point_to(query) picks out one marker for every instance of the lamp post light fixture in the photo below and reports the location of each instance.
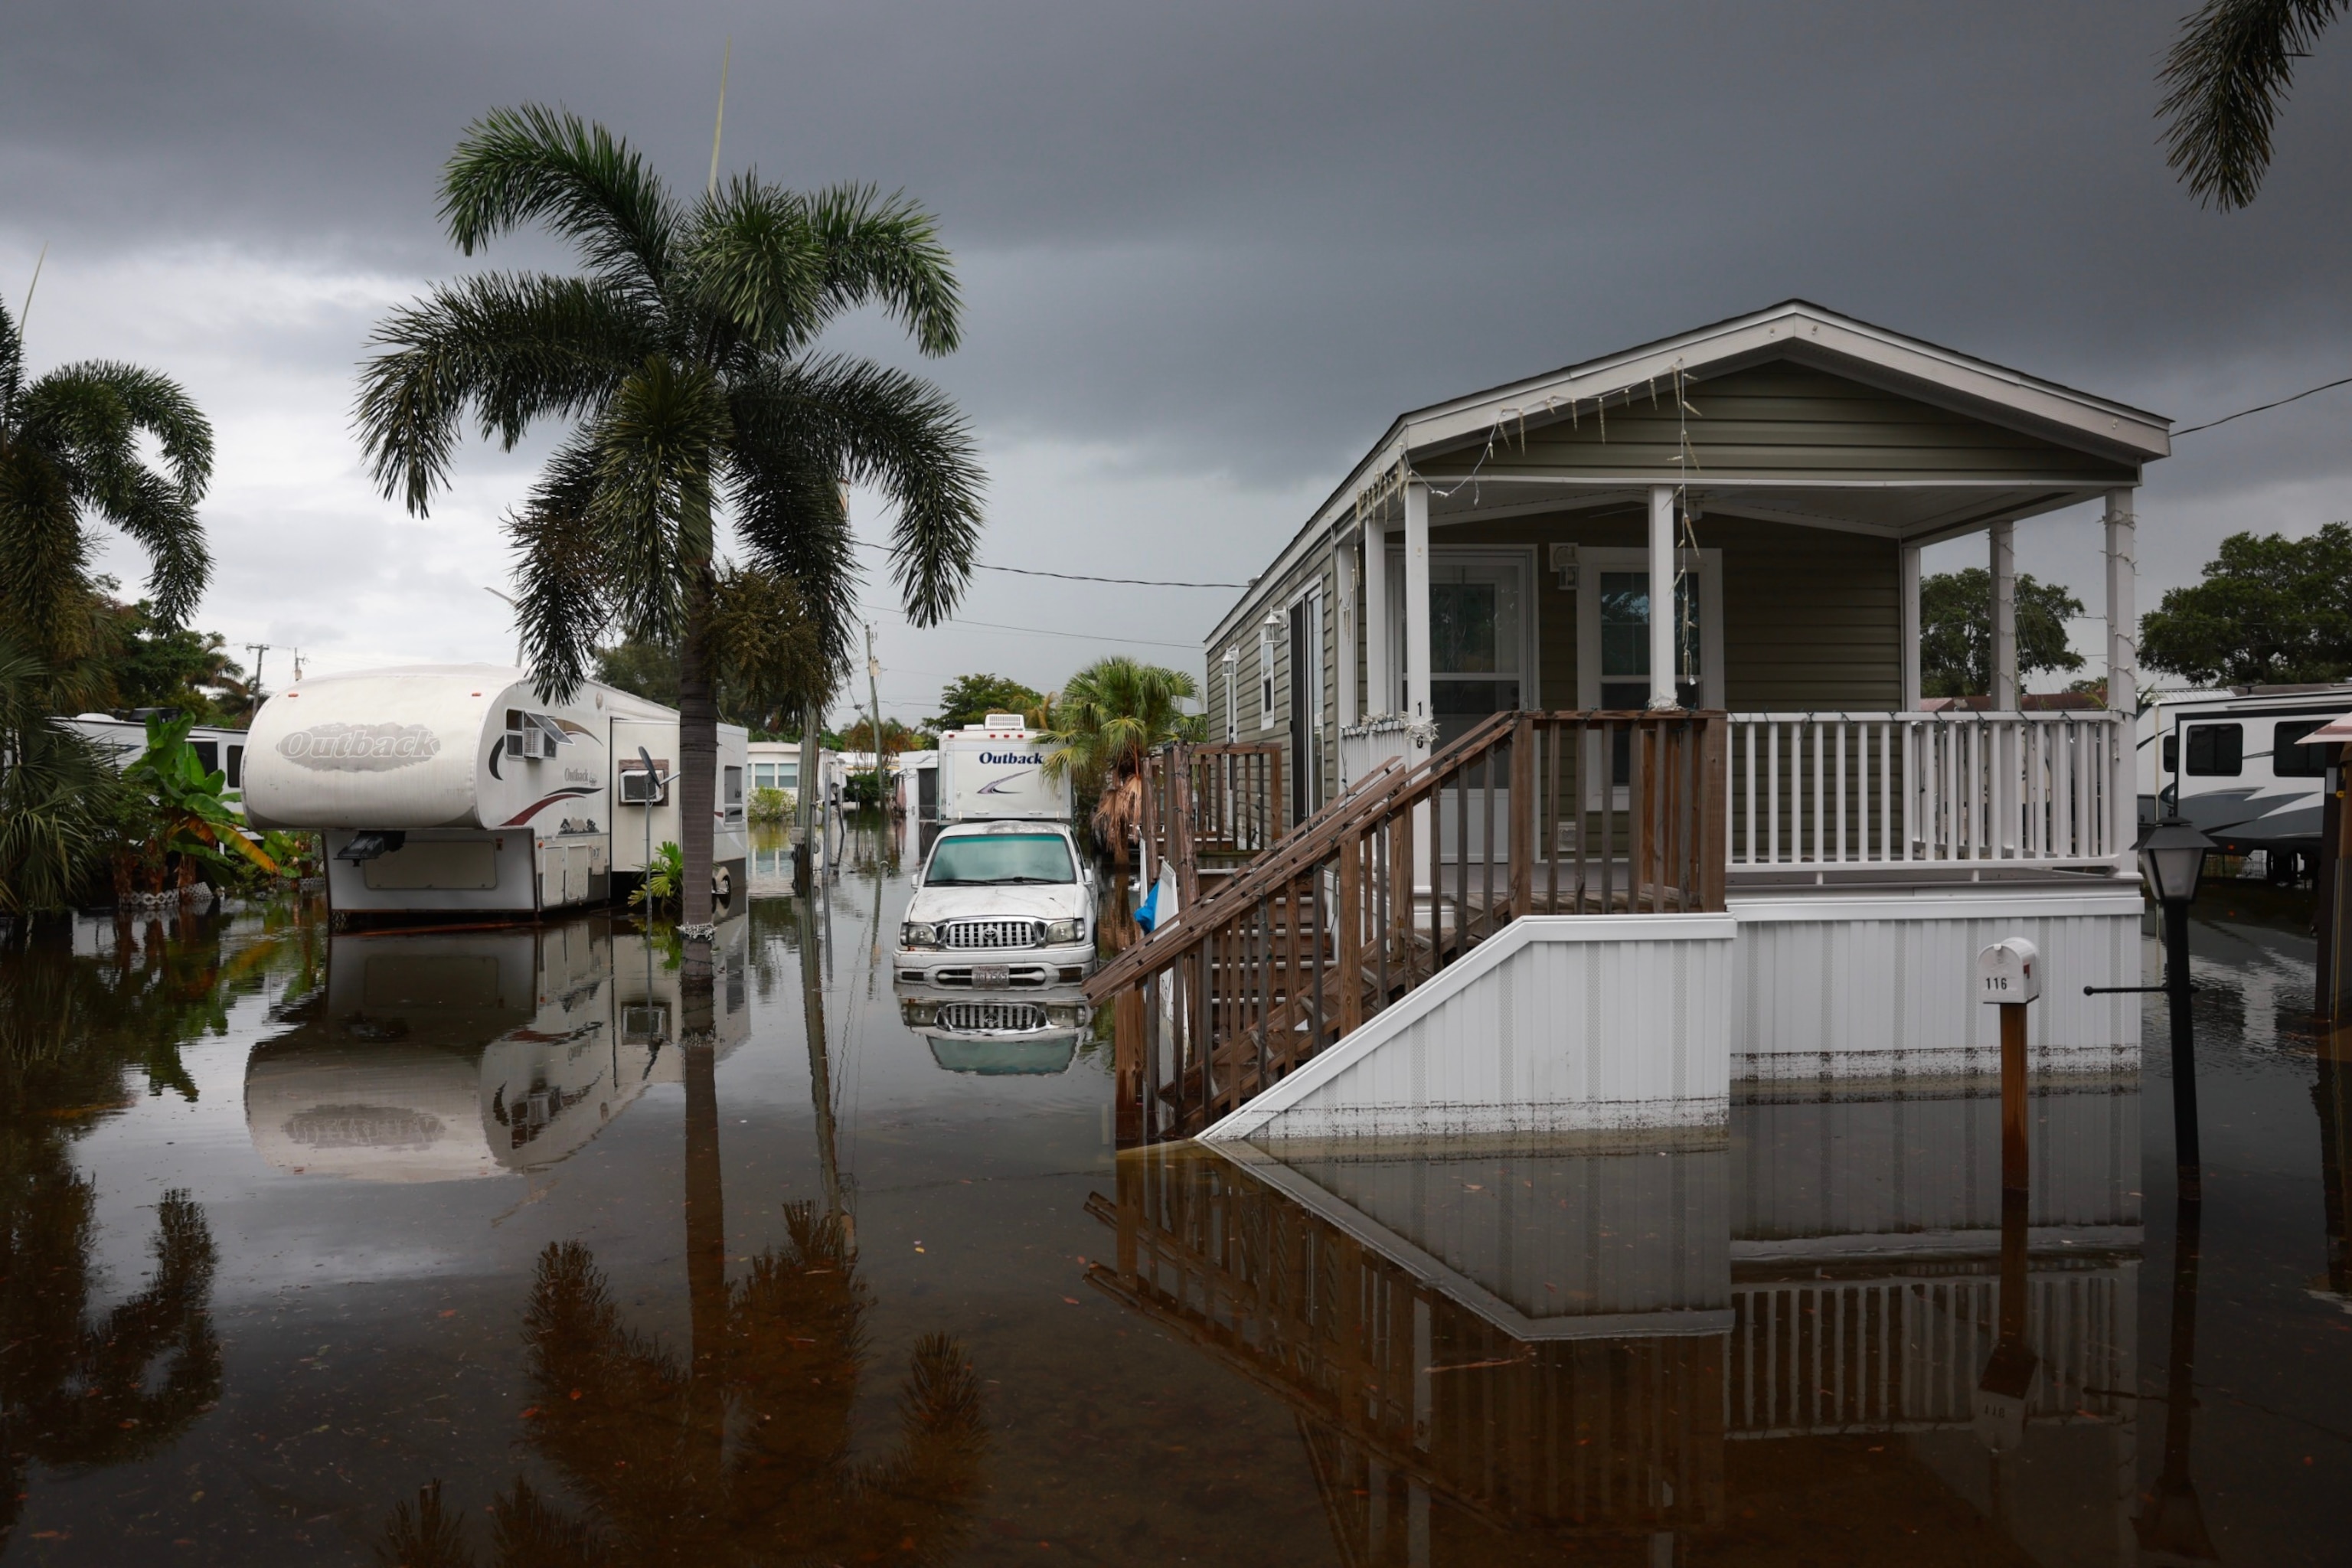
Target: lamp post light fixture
(2172, 859)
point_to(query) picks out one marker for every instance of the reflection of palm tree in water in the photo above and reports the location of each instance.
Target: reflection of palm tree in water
(76, 1391)
(742, 1453)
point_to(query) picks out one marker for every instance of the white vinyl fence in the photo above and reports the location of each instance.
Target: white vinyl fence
(1815, 790)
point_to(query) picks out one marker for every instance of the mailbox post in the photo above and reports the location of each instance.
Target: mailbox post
(2009, 975)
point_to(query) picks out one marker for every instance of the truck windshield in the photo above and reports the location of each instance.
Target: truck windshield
(999, 860)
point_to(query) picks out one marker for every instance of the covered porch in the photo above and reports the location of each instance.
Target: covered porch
(1783, 472)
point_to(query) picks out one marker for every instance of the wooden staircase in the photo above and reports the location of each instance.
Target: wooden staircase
(1326, 925)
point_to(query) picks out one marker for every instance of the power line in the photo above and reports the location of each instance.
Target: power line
(1077, 576)
(2265, 407)
(960, 622)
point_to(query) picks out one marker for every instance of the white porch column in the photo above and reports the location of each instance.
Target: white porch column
(1379, 673)
(2003, 539)
(1343, 592)
(1908, 595)
(1416, 611)
(1662, 597)
(2123, 666)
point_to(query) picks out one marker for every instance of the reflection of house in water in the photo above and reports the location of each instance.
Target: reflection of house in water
(433, 1056)
(1667, 1349)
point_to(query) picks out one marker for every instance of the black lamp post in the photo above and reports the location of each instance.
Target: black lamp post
(2172, 859)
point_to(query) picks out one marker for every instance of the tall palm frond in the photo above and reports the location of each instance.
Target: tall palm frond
(71, 455)
(2227, 74)
(681, 360)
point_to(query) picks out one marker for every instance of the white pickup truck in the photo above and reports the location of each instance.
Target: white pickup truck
(1000, 904)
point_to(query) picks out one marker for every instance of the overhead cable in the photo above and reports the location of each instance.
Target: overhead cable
(2264, 407)
(1079, 577)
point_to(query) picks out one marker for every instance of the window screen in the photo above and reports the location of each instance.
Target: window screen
(2290, 758)
(2216, 750)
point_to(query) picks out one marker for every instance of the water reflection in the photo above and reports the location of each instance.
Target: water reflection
(998, 1034)
(82, 1386)
(1495, 1356)
(437, 1056)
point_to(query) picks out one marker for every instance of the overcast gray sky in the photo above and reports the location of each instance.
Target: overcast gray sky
(1209, 249)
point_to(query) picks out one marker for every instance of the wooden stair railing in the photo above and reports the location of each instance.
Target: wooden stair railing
(1208, 806)
(1527, 812)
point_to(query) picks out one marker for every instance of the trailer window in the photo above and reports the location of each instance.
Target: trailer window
(236, 767)
(208, 754)
(2172, 752)
(2216, 750)
(2290, 758)
(998, 859)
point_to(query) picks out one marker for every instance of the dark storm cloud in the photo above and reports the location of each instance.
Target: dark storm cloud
(1229, 238)
(1416, 194)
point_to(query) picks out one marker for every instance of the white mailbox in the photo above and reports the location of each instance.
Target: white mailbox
(2008, 972)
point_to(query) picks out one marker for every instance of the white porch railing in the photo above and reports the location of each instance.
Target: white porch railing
(1964, 789)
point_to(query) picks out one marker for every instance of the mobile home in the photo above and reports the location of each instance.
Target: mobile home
(448, 789)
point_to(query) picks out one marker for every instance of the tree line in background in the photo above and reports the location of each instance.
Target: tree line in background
(2267, 610)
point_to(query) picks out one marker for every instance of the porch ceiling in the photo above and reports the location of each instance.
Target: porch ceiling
(1913, 513)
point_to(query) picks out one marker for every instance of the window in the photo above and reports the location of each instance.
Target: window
(2172, 752)
(236, 767)
(207, 755)
(999, 860)
(1612, 628)
(2216, 750)
(731, 788)
(2290, 758)
(1233, 667)
(763, 776)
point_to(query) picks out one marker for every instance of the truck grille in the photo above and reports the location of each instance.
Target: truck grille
(992, 933)
(992, 1017)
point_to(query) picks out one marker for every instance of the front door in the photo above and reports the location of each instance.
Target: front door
(1306, 705)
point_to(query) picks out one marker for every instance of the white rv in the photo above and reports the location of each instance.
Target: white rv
(218, 750)
(995, 771)
(2235, 765)
(448, 789)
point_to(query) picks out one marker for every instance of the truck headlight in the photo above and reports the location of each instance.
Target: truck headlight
(918, 934)
(1065, 930)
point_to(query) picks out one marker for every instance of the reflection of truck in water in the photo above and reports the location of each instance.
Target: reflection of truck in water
(997, 1036)
(439, 1057)
(2235, 765)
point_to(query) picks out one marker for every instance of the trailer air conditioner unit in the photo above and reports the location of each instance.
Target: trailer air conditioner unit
(639, 787)
(533, 736)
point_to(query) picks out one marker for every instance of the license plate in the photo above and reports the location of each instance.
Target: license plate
(997, 977)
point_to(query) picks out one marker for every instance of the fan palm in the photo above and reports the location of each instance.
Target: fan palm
(683, 359)
(1106, 722)
(70, 457)
(2227, 74)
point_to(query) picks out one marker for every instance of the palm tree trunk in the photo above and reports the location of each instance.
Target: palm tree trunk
(698, 754)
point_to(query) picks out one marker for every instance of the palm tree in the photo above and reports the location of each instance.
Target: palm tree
(1106, 722)
(2224, 80)
(70, 457)
(683, 359)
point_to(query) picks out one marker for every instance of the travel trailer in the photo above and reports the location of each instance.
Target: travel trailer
(221, 751)
(450, 789)
(2235, 765)
(995, 771)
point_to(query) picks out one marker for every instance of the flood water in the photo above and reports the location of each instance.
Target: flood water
(442, 1248)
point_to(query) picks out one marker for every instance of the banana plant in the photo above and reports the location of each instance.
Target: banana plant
(189, 804)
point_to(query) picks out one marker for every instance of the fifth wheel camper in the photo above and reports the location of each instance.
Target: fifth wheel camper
(995, 771)
(455, 789)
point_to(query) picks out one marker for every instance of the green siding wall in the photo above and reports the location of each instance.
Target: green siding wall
(1782, 418)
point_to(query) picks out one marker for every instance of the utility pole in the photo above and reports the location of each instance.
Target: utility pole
(258, 649)
(298, 666)
(873, 696)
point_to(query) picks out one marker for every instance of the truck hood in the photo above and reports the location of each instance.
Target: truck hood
(1063, 901)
